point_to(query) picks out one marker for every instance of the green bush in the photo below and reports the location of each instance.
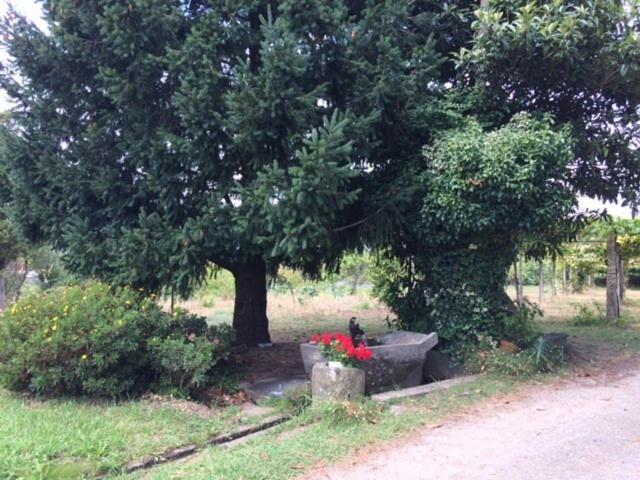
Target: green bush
(92, 340)
(587, 316)
(182, 365)
(541, 357)
(520, 327)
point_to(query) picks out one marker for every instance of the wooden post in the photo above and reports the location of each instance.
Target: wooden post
(613, 285)
(519, 281)
(622, 268)
(554, 287)
(540, 282)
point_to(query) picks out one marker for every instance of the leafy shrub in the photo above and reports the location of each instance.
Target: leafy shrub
(91, 340)
(182, 365)
(520, 327)
(545, 356)
(587, 316)
(542, 357)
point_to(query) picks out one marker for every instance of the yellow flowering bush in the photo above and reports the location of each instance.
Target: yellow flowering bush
(90, 339)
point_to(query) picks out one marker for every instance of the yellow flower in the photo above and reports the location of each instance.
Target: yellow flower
(14, 309)
(54, 328)
(84, 356)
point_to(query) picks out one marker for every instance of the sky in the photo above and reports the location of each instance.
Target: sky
(33, 11)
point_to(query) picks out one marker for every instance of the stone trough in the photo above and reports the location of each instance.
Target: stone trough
(397, 362)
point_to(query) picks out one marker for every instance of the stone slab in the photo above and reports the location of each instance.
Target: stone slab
(422, 390)
(274, 387)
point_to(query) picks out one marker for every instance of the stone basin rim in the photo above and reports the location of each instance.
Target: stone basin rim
(426, 337)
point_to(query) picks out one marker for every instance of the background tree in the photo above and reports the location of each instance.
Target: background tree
(10, 245)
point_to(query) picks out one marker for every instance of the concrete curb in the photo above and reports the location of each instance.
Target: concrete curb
(422, 390)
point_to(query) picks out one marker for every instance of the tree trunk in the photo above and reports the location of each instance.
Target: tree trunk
(519, 282)
(613, 289)
(554, 287)
(565, 278)
(250, 309)
(540, 282)
(621, 279)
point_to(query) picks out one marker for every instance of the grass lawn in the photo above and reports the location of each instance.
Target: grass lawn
(65, 439)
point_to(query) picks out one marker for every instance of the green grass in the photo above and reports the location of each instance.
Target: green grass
(626, 336)
(279, 455)
(65, 439)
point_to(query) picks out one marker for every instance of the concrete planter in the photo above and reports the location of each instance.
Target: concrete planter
(333, 383)
(397, 362)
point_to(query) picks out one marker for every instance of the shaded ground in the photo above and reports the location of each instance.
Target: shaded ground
(584, 428)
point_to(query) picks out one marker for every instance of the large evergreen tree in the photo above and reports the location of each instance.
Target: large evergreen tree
(154, 137)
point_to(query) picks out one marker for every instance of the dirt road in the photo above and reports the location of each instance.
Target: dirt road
(587, 429)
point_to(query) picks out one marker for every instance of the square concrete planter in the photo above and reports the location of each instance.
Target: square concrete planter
(397, 362)
(332, 383)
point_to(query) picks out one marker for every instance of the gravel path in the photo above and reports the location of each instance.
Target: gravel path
(587, 429)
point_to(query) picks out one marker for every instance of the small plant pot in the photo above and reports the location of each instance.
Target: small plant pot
(329, 383)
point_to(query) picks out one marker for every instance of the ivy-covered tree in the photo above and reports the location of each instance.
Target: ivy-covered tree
(153, 137)
(481, 194)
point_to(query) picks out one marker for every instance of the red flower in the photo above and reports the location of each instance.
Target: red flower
(338, 346)
(363, 353)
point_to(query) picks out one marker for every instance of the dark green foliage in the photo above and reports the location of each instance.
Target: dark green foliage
(10, 245)
(519, 327)
(89, 340)
(582, 66)
(182, 366)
